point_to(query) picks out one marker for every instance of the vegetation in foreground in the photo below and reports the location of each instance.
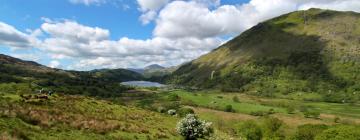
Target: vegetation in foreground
(236, 115)
(78, 117)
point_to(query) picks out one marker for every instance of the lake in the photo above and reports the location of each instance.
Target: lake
(142, 84)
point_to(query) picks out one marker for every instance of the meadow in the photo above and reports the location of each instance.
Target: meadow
(229, 111)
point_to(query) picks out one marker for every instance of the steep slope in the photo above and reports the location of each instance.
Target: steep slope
(304, 51)
(103, 83)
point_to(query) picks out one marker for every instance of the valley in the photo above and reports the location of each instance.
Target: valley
(293, 77)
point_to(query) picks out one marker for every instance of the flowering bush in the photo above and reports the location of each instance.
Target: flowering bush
(192, 128)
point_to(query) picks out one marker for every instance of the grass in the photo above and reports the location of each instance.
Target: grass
(78, 117)
(219, 101)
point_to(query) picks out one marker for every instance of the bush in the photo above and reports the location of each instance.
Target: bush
(340, 133)
(272, 128)
(173, 97)
(336, 120)
(219, 96)
(184, 111)
(290, 109)
(192, 128)
(228, 108)
(259, 113)
(312, 114)
(236, 99)
(171, 105)
(309, 131)
(251, 131)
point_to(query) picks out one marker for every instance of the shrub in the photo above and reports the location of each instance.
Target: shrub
(312, 114)
(251, 131)
(229, 108)
(236, 99)
(184, 111)
(290, 109)
(340, 133)
(192, 128)
(173, 97)
(271, 111)
(336, 120)
(171, 105)
(309, 131)
(259, 113)
(272, 128)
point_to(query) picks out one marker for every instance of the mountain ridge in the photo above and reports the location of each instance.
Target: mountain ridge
(304, 51)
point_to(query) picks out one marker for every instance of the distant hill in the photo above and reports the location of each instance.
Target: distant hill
(154, 67)
(103, 82)
(154, 71)
(304, 51)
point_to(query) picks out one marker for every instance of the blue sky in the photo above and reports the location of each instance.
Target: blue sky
(90, 34)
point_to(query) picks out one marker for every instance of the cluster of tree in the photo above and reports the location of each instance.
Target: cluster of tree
(104, 83)
(273, 128)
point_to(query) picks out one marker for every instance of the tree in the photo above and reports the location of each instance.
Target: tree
(185, 111)
(309, 131)
(251, 131)
(192, 128)
(229, 108)
(340, 132)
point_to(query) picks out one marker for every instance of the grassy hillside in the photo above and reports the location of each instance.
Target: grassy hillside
(65, 117)
(104, 83)
(313, 51)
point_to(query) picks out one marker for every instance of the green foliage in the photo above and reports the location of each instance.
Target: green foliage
(100, 83)
(229, 108)
(312, 114)
(192, 128)
(284, 57)
(236, 99)
(340, 133)
(173, 97)
(251, 131)
(272, 127)
(309, 131)
(184, 111)
(290, 109)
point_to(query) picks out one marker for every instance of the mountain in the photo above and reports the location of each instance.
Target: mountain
(154, 72)
(154, 67)
(304, 51)
(103, 82)
(147, 69)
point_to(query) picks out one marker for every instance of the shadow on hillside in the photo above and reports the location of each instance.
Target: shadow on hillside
(273, 47)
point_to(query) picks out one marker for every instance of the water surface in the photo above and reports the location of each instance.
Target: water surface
(142, 84)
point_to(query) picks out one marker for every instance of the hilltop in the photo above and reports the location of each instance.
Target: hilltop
(104, 83)
(300, 52)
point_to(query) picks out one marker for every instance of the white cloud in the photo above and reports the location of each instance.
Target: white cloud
(28, 57)
(147, 17)
(54, 64)
(151, 5)
(194, 18)
(94, 49)
(184, 30)
(73, 31)
(88, 2)
(9, 36)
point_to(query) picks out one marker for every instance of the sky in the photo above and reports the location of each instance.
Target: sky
(94, 34)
